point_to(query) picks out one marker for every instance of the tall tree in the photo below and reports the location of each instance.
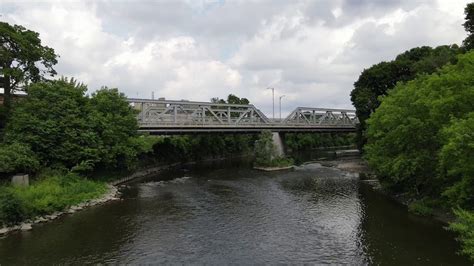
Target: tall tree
(379, 79)
(469, 26)
(23, 59)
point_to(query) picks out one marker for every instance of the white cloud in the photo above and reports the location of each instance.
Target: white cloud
(311, 51)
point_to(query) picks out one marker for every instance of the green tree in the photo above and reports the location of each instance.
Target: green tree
(379, 79)
(265, 150)
(404, 133)
(232, 99)
(457, 162)
(469, 26)
(66, 128)
(53, 121)
(21, 55)
(115, 125)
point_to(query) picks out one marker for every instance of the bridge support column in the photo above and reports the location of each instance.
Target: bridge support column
(276, 138)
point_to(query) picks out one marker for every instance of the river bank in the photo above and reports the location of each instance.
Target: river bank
(351, 164)
(26, 225)
(112, 194)
(217, 212)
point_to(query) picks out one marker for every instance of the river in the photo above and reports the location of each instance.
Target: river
(228, 213)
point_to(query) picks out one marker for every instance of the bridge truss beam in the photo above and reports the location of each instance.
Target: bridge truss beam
(176, 117)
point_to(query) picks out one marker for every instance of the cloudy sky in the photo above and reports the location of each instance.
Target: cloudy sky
(312, 51)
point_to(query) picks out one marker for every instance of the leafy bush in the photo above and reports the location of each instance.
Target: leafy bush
(266, 152)
(198, 147)
(464, 226)
(17, 157)
(308, 141)
(420, 208)
(280, 162)
(11, 208)
(456, 162)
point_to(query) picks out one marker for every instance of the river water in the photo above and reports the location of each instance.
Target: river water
(228, 213)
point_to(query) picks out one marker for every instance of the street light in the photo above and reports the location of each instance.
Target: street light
(280, 105)
(273, 100)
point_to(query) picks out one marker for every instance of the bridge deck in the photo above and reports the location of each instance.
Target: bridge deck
(183, 117)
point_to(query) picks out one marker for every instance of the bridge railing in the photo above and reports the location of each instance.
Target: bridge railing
(166, 113)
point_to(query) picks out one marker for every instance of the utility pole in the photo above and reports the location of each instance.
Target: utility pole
(273, 100)
(280, 106)
(152, 95)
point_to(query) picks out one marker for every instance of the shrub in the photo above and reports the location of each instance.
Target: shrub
(464, 226)
(265, 150)
(420, 208)
(17, 157)
(456, 162)
(11, 208)
(56, 192)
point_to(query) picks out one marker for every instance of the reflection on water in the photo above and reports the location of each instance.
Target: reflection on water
(232, 214)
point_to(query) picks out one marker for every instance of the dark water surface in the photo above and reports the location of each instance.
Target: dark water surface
(230, 213)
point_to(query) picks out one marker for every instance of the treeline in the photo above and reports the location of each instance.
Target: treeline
(59, 126)
(184, 148)
(60, 135)
(417, 128)
(310, 141)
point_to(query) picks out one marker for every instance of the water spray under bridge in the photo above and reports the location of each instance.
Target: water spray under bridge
(186, 117)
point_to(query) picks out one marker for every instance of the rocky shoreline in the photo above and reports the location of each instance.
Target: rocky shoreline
(111, 195)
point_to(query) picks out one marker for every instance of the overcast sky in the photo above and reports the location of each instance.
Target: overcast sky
(310, 51)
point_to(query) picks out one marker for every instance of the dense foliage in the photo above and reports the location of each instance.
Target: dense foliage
(309, 141)
(421, 142)
(52, 192)
(16, 157)
(380, 78)
(65, 128)
(405, 133)
(465, 228)
(457, 161)
(266, 154)
(198, 147)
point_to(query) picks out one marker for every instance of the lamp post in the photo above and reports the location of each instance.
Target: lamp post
(280, 106)
(273, 100)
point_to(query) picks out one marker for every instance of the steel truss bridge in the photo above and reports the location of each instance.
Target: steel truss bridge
(185, 117)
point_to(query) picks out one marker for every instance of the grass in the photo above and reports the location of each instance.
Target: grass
(53, 192)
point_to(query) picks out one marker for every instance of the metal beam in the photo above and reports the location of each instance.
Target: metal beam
(165, 116)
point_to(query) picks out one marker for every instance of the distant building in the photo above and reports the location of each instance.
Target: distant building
(14, 97)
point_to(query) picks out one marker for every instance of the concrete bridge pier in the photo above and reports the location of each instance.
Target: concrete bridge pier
(276, 138)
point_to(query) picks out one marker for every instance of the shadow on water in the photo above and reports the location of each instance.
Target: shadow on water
(392, 236)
